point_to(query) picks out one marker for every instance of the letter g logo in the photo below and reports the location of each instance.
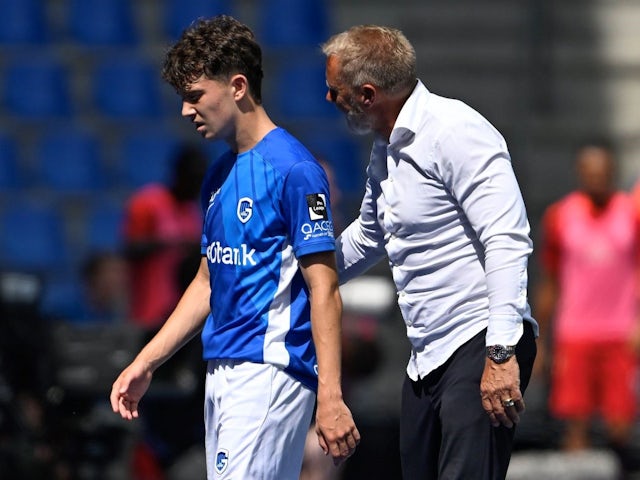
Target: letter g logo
(245, 209)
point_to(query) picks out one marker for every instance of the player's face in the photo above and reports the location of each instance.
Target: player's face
(210, 106)
(344, 99)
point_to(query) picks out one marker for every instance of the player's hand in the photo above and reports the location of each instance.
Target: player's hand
(336, 430)
(500, 392)
(128, 389)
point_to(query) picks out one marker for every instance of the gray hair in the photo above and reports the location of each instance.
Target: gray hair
(374, 54)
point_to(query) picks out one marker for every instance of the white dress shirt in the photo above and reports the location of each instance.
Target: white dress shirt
(442, 202)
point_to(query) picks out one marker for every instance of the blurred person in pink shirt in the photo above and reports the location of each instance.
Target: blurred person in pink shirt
(162, 231)
(587, 303)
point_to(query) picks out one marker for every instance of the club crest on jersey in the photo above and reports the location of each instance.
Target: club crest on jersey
(222, 461)
(245, 209)
(317, 204)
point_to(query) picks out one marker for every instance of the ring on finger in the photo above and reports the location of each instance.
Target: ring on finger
(508, 402)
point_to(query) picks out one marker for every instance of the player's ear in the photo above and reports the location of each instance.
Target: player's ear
(239, 86)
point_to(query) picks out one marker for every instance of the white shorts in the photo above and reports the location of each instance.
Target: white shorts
(256, 419)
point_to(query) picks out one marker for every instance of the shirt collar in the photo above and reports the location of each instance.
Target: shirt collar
(403, 131)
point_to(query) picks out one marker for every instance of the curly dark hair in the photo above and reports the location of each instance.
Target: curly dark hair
(216, 47)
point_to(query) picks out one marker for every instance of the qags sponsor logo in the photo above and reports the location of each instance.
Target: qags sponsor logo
(222, 461)
(317, 204)
(317, 229)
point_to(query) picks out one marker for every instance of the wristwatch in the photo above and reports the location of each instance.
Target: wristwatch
(500, 353)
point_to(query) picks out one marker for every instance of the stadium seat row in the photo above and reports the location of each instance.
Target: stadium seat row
(282, 23)
(127, 86)
(73, 160)
(121, 86)
(37, 236)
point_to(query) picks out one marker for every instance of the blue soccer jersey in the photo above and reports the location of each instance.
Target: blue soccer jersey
(265, 208)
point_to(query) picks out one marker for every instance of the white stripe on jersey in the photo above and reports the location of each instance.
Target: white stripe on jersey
(274, 349)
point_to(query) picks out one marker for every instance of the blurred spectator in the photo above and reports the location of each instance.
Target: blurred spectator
(105, 284)
(162, 231)
(587, 304)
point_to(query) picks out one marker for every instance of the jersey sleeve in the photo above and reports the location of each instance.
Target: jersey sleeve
(307, 210)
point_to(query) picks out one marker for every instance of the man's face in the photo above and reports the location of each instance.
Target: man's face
(345, 100)
(210, 106)
(596, 173)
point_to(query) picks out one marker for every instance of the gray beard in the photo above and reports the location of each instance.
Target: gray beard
(358, 123)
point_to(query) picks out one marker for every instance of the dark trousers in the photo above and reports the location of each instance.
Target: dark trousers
(445, 434)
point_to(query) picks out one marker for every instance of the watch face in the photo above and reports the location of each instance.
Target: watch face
(500, 353)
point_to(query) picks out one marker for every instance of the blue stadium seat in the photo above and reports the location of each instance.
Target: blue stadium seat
(146, 157)
(23, 22)
(33, 237)
(68, 160)
(179, 14)
(10, 175)
(292, 23)
(102, 22)
(127, 87)
(103, 225)
(36, 86)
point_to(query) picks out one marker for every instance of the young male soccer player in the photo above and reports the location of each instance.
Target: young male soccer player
(266, 290)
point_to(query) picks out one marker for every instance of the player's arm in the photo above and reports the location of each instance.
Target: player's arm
(182, 325)
(337, 432)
